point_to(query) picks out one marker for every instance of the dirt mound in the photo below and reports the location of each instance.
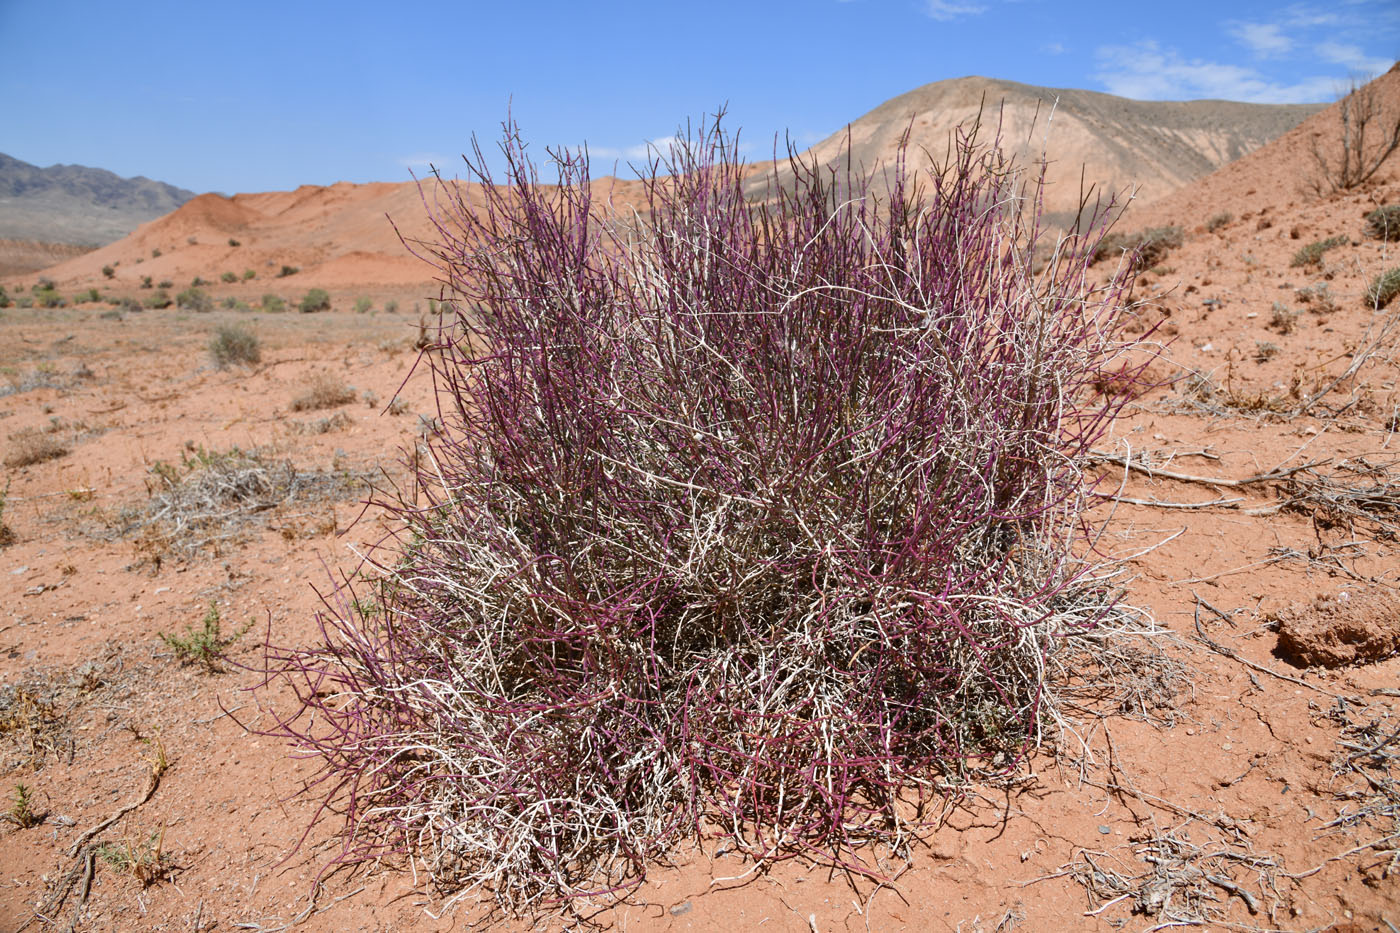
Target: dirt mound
(1351, 627)
(19, 257)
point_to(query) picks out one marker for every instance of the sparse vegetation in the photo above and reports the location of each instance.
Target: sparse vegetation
(46, 296)
(33, 446)
(362, 305)
(1282, 318)
(156, 253)
(391, 307)
(1311, 254)
(146, 282)
(21, 812)
(1383, 223)
(194, 299)
(272, 304)
(1368, 131)
(318, 299)
(5, 301)
(1146, 248)
(234, 243)
(1383, 288)
(145, 860)
(228, 278)
(109, 272)
(206, 645)
(7, 534)
(1218, 221)
(323, 391)
(197, 282)
(286, 271)
(234, 344)
(165, 283)
(249, 275)
(160, 298)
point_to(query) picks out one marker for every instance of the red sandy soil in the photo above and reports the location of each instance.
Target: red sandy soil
(1229, 749)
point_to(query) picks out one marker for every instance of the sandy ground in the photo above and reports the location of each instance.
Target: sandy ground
(1231, 784)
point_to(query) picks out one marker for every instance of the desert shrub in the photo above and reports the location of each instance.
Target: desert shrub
(228, 278)
(46, 296)
(31, 447)
(315, 300)
(108, 271)
(1311, 254)
(194, 299)
(1367, 132)
(273, 304)
(156, 253)
(130, 303)
(1146, 249)
(160, 298)
(323, 391)
(233, 242)
(165, 283)
(1383, 223)
(286, 271)
(146, 282)
(197, 282)
(1218, 221)
(87, 297)
(391, 307)
(234, 344)
(5, 300)
(362, 305)
(1383, 288)
(249, 275)
(766, 514)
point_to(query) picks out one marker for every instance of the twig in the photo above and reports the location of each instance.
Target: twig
(152, 782)
(1157, 503)
(1235, 656)
(1205, 480)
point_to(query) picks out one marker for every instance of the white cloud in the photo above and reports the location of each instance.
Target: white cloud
(1053, 48)
(422, 160)
(1146, 71)
(1263, 39)
(945, 10)
(660, 147)
(1352, 57)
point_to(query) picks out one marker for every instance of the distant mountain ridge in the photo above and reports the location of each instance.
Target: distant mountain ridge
(76, 204)
(1154, 146)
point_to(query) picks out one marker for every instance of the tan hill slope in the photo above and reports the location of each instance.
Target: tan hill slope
(1156, 146)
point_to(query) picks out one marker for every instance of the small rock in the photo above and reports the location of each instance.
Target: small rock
(1105, 830)
(682, 908)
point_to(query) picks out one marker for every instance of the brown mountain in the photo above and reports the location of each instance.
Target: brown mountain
(1154, 147)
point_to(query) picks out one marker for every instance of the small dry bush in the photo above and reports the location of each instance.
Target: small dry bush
(34, 446)
(1383, 223)
(1218, 221)
(336, 422)
(323, 391)
(1311, 255)
(234, 344)
(1145, 249)
(1383, 288)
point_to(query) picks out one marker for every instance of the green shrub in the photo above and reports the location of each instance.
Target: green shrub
(1383, 223)
(391, 307)
(197, 282)
(156, 253)
(233, 242)
(108, 271)
(315, 300)
(234, 344)
(160, 298)
(146, 282)
(165, 283)
(91, 295)
(1218, 221)
(48, 298)
(1383, 289)
(194, 299)
(1148, 247)
(1311, 254)
(249, 275)
(287, 270)
(228, 277)
(5, 301)
(362, 305)
(273, 304)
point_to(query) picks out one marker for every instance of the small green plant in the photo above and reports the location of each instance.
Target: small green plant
(1218, 221)
(109, 272)
(146, 861)
(234, 344)
(197, 282)
(146, 282)
(287, 270)
(1149, 247)
(272, 304)
(87, 297)
(205, 646)
(362, 305)
(234, 243)
(194, 299)
(1282, 318)
(318, 299)
(4, 298)
(1265, 351)
(1383, 288)
(1311, 255)
(249, 275)
(21, 811)
(228, 278)
(46, 296)
(160, 298)
(1383, 223)
(156, 253)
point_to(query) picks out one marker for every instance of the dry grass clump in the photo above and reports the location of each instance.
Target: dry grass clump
(1360, 492)
(34, 446)
(211, 498)
(234, 344)
(336, 422)
(323, 391)
(1311, 255)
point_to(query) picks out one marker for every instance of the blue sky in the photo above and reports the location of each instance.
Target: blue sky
(259, 96)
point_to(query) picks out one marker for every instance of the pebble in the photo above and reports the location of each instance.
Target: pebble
(1104, 830)
(682, 908)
